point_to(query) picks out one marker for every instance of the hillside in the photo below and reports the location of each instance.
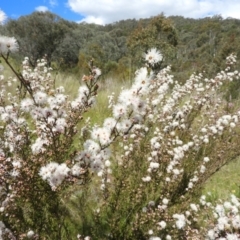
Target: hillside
(199, 44)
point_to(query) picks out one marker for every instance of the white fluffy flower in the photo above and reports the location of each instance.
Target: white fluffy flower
(91, 147)
(181, 220)
(30, 234)
(206, 159)
(211, 234)
(232, 236)
(119, 110)
(153, 56)
(40, 97)
(202, 169)
(60, 125)
(154, 238)
(154, 165)
(76, 170)
(194, 207)
(162, 224)
(97, 72)
(8, 44)
(141, 77)
(26, 104)
(16, 164)
(38, 146)
(146, 179)
(83, 92)
(109, 123)
(103, 135)
(54, 173)
(165, 201)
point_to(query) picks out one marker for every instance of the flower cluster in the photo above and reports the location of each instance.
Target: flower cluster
(153, 57)
(177, 136)
(140, 169)
(227, 220)
(39, 123)
(54, 173)
(8, 44)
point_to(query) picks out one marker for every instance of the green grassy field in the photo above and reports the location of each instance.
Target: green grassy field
(224, 182)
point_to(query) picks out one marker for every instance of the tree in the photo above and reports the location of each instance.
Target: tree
(39, 34)
(159, 33)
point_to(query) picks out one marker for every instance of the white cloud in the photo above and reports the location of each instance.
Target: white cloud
(53, 3)
(3, 16)
(92, 19)
(108, 11)
(41, 9)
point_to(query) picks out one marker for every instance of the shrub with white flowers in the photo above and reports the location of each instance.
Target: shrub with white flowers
(136, 175)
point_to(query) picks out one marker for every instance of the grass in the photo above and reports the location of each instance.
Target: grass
(100, 111)
(224, 182)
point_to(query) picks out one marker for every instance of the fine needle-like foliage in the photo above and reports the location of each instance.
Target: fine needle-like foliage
(136, 175)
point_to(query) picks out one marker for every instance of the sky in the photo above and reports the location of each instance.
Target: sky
(109, 11)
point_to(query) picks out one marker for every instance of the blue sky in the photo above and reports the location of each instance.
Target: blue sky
(17, 8)
(109, 11)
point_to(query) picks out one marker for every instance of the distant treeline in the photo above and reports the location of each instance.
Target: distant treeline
(189, 45)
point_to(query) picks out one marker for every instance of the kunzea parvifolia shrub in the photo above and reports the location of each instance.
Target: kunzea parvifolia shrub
(136, 175)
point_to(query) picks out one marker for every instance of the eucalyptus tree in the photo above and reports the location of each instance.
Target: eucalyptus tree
(159, 33)
(39, 34)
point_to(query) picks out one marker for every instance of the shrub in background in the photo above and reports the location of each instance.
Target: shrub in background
(137, 175)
